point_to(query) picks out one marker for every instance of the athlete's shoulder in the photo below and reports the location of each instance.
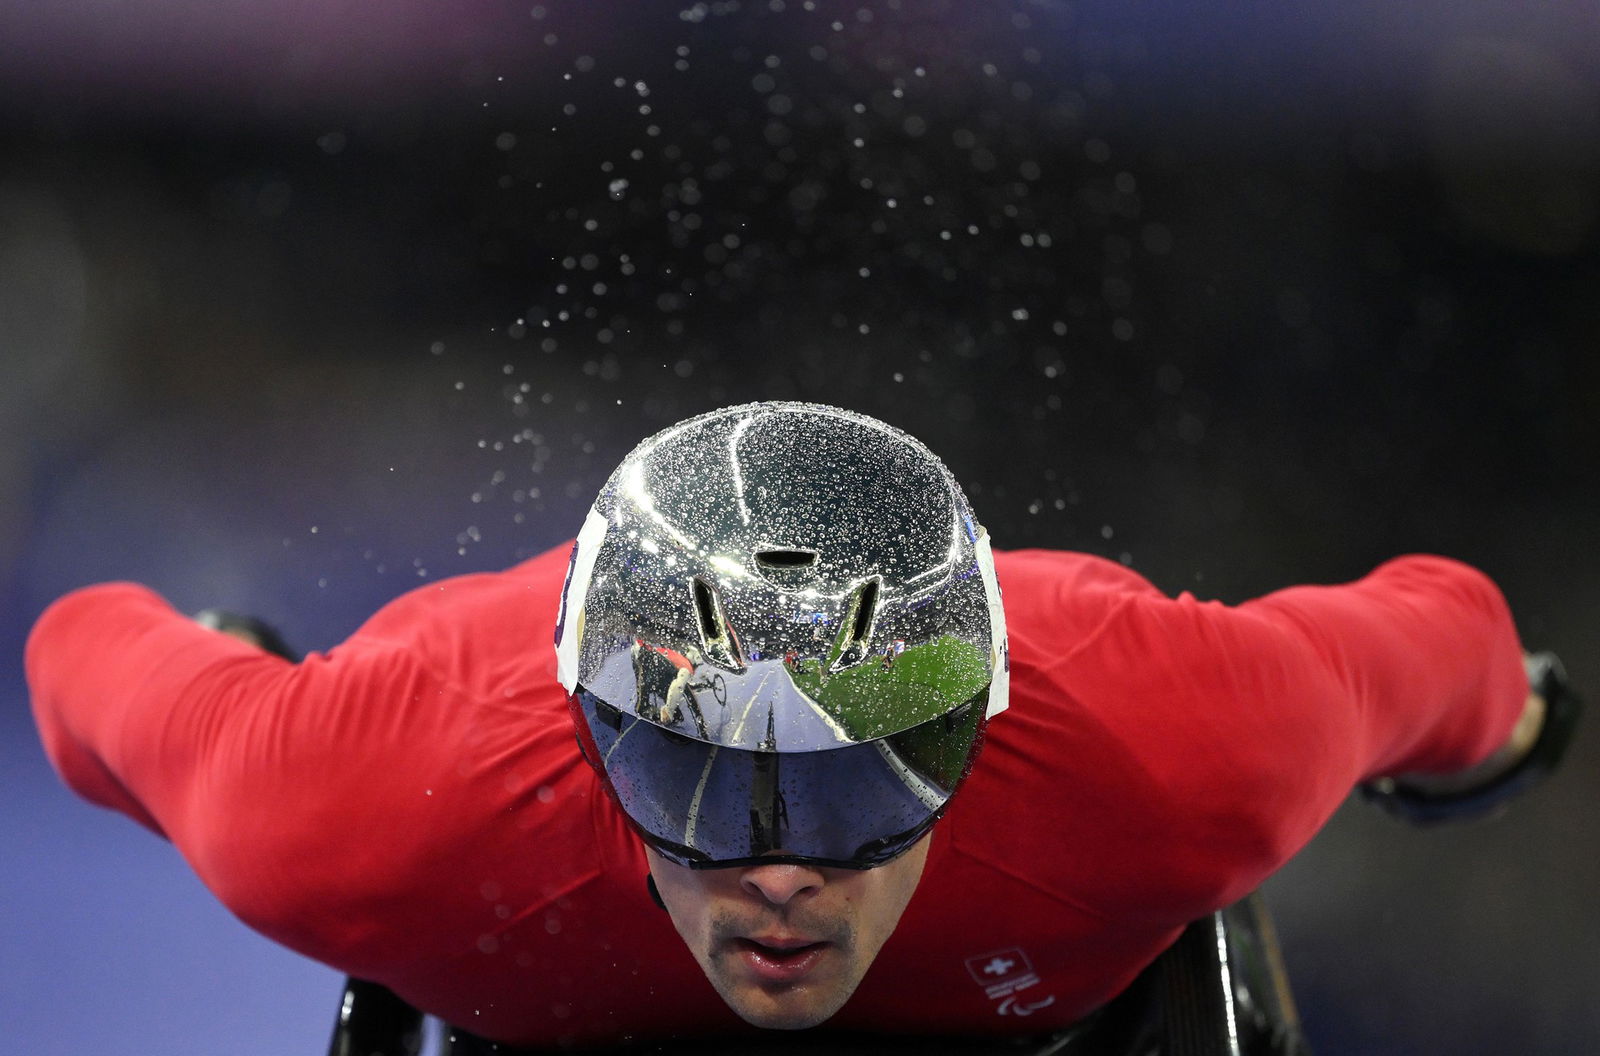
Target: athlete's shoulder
(476, 628)
(1057, 598)
(528, 587)
(1035, 571)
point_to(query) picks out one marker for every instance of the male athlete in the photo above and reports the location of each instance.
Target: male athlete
(779, 647)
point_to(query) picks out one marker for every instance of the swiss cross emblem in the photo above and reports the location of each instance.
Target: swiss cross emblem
(1008, 978)
(999, 966)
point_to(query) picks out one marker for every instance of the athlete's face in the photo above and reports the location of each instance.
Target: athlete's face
(786, 945)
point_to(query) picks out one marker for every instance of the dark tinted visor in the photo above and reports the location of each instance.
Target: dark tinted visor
(854, 807)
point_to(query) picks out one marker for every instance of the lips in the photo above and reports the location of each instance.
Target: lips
(779, 959)
(782, 943)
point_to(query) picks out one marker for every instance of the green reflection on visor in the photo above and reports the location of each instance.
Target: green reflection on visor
(880, 697)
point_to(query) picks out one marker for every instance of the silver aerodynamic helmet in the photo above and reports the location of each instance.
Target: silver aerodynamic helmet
(781, 637)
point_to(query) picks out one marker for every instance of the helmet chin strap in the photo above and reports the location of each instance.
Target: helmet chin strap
(655, 893)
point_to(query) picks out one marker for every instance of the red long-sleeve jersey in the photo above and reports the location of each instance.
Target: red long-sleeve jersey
(411, 806)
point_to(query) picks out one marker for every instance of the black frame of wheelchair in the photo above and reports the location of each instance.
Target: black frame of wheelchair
(1220, 990)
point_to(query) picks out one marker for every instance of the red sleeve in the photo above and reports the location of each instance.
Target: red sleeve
(323, 802)
(98, 661)
(1197, 746)
(1424, 650)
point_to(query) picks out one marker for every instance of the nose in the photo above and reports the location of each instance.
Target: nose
(781, 884)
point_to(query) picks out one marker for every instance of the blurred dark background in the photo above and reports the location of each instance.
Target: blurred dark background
(303, 305)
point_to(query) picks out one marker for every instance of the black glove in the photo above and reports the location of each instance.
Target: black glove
(264, 633)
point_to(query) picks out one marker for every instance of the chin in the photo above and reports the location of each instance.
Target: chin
(769, 1014)
(788, 1008)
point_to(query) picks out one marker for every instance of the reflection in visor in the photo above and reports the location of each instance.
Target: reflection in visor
(856, 806)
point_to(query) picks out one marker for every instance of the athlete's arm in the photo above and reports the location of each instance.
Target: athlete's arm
(380, 807)
(107, 667)
(1426, 653)
(312, 799)
(1414, 669)
(1204, 744)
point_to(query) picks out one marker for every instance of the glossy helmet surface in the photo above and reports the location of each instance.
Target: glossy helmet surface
(781, 635)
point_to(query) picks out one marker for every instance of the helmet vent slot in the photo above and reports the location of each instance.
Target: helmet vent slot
(851, 647)
(787, 567)
(721, 646)
(786, 558)
(866, 609)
